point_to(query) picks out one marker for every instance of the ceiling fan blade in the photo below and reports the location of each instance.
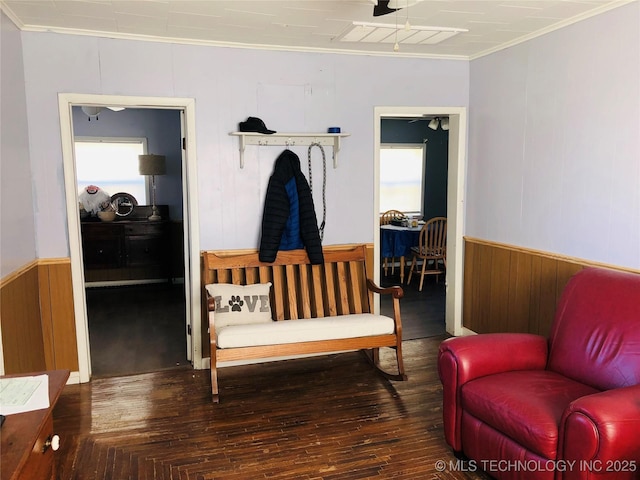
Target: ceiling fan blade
(382, 8)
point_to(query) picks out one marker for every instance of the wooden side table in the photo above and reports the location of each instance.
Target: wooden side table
(28, 439)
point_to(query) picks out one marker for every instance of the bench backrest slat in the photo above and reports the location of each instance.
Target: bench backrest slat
(331, 290)
(300, 290)
(305, 293)
(252, 276)
(316, 280)
(237, 276)
(343, 288)
(357, 300)
(292, 289)
(277, 307)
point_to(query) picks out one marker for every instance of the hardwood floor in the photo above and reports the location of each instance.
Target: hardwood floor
(136, 328)
(329, 417)
(423, 313)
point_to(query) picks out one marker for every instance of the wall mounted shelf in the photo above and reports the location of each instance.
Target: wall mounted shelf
(290, 140)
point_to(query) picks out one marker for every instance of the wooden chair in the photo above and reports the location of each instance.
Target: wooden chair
(385, 219)
(431, 249)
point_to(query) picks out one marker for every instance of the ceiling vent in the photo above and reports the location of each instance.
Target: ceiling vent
(366, 32)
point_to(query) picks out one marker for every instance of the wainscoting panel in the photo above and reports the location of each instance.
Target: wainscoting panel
(22, 336)
(38, 320)
(56, 297)
(513, 289)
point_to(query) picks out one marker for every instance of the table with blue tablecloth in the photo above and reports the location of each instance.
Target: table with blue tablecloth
(396, 242)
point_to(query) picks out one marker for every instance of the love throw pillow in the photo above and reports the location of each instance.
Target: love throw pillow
(240, 304)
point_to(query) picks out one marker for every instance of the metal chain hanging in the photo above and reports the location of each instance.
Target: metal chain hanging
(324, 185)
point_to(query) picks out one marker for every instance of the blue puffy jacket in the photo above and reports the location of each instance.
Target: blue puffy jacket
(289, 219)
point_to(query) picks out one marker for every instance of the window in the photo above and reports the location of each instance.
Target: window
(112, 165)
(402, 177)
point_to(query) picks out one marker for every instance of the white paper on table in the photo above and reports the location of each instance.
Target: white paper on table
(24, 394)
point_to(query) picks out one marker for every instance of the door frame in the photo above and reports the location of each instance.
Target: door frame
(190, 216)
(457, 168)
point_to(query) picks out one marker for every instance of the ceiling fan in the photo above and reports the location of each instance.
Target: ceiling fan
(93, 112)
(434, 121)
(383, 7)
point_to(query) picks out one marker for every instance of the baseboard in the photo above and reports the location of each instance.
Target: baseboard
(74, 378)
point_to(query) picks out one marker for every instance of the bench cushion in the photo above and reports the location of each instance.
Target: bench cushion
(303, 330)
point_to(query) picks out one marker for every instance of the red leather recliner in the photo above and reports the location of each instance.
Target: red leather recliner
(521, 406)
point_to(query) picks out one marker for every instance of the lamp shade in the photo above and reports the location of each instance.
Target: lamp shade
(433, 124)
(444, 123)
(152, 164)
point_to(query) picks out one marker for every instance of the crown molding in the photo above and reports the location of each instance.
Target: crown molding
(212, 43)
(12, 16)
(552, 28)
(247, 46)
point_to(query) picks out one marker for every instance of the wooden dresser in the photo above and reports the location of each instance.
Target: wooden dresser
(28, 441)
(126, 250)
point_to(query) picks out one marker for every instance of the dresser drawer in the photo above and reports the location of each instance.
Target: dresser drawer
(102, 253)
(25, 452)
(126, 250)
(41, 462)
(101, 231)
(145, 250)
(132, 229)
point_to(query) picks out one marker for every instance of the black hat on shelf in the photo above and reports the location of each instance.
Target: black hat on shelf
(254, 124)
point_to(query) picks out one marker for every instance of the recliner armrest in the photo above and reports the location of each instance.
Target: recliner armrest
(602, 428)
(462, 359)
(475, 356)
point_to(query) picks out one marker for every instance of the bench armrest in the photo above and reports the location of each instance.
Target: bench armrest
(211, 303)
(397, 292)
(211, 308)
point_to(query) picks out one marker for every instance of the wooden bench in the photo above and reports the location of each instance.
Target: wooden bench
(299, 291)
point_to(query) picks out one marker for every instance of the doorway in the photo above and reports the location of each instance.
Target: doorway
(133, 266)
(455, 196)
(413, 180)
(186, 109)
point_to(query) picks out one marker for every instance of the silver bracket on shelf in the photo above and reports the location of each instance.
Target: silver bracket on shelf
(289, 140)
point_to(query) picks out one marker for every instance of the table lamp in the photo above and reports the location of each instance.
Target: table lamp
(152, 165)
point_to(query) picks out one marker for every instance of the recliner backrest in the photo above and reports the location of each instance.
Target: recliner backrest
(595, 337)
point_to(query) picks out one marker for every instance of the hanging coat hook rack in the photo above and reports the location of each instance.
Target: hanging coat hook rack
(289, 140)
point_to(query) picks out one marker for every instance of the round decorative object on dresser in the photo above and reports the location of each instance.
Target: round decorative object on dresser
(107, 216)
(124, 203)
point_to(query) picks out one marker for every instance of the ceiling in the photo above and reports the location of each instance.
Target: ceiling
(309, 25)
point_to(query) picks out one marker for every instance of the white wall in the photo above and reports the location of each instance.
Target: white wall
(554, 142)
(17, 229)
(294, 92)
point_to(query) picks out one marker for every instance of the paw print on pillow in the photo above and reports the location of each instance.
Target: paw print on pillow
(236, 303)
